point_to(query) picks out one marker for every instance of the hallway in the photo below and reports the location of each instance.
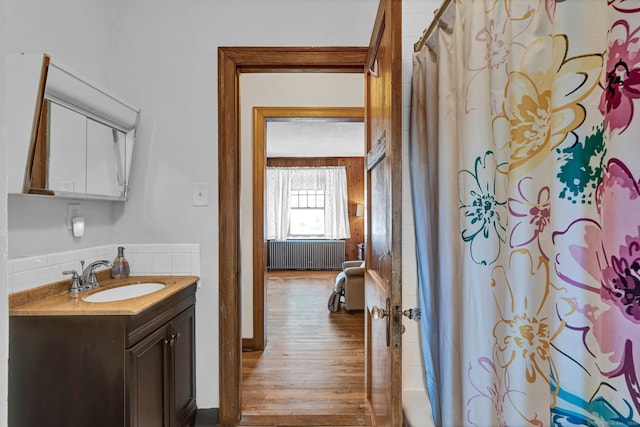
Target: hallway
(313, 364)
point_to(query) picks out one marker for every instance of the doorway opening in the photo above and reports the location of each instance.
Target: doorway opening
(311, 371)
(295, 158)
(232, 61)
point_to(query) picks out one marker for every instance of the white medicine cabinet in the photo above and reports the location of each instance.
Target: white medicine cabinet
(67, 136)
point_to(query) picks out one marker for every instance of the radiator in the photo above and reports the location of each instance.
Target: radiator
(306, 254)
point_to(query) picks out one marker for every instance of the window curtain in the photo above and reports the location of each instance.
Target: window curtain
(527, 201)
(333, 180)
(278, 190)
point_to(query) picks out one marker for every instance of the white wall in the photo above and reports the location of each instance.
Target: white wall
(4, 315)
(162, 56)
(168, 52)
(270, 90)
(80, 34)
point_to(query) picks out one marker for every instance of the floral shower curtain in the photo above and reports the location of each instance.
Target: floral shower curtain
(525, 162)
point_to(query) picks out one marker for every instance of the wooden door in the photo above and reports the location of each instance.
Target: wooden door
(383, 287)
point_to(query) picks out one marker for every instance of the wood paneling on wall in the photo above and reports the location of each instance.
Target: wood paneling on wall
(355, 187)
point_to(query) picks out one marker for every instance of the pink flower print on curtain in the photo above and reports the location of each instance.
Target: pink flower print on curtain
(531, 214)
(603, 258)
(622, 80)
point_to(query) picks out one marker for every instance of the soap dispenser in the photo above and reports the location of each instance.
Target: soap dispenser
(120, 268)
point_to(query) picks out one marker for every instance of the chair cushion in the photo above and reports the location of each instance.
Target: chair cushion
(334, 302)
(338, 290)
(339, 285)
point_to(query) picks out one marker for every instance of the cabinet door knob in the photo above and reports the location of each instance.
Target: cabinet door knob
(178, 335)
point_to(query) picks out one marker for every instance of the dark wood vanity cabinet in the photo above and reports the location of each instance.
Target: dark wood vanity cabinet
(105, 370)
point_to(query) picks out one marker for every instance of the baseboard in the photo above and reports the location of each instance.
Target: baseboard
(207, 417)
(248, 344)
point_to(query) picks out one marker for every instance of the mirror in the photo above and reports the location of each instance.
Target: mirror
(84, 156)
(82, 136)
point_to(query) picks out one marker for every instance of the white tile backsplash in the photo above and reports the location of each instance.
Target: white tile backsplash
(182, 248)
(161, 263)
(195, 263)
(144, 259)
(49, 274)
(29, 264)
(181, 262)
(140, 264)
(61, 257)
(24, 280)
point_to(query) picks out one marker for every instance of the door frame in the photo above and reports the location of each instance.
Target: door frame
(232, 61)
(261, 116)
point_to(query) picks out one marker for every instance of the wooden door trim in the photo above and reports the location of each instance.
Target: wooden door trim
(260, 117)
(232, 61)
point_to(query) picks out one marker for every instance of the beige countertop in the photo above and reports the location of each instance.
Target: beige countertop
(54, 300)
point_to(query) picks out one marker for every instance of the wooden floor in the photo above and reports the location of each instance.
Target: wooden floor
(312, 370)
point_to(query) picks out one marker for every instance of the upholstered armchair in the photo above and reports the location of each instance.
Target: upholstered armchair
(349, 287)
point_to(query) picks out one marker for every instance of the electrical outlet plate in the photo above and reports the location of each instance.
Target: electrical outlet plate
(73, 209)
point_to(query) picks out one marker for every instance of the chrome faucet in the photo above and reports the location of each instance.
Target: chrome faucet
(88, 277)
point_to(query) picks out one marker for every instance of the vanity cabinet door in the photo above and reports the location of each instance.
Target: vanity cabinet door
(148, 381)
(183, 392)
(162, 375)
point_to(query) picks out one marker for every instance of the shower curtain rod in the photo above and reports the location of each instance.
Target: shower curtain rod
(436, 19)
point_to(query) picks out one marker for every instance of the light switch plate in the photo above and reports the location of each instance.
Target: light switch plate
(200, 194)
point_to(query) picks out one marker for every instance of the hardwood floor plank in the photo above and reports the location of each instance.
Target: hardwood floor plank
(312, 369)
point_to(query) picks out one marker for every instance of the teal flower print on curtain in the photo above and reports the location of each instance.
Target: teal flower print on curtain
(484, 214)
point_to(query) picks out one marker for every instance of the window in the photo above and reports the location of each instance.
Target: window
(306, 202)
(307, 213)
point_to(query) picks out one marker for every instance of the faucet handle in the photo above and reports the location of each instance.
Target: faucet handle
(76, 285)
(93, 281)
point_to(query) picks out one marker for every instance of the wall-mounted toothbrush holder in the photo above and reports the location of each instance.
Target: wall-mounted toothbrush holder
(77, 226)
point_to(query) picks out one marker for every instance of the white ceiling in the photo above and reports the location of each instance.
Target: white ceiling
(307, 138)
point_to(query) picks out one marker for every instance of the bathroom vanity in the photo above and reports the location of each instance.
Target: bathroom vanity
(129, 362)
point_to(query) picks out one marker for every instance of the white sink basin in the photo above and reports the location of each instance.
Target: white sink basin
(124, 292)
